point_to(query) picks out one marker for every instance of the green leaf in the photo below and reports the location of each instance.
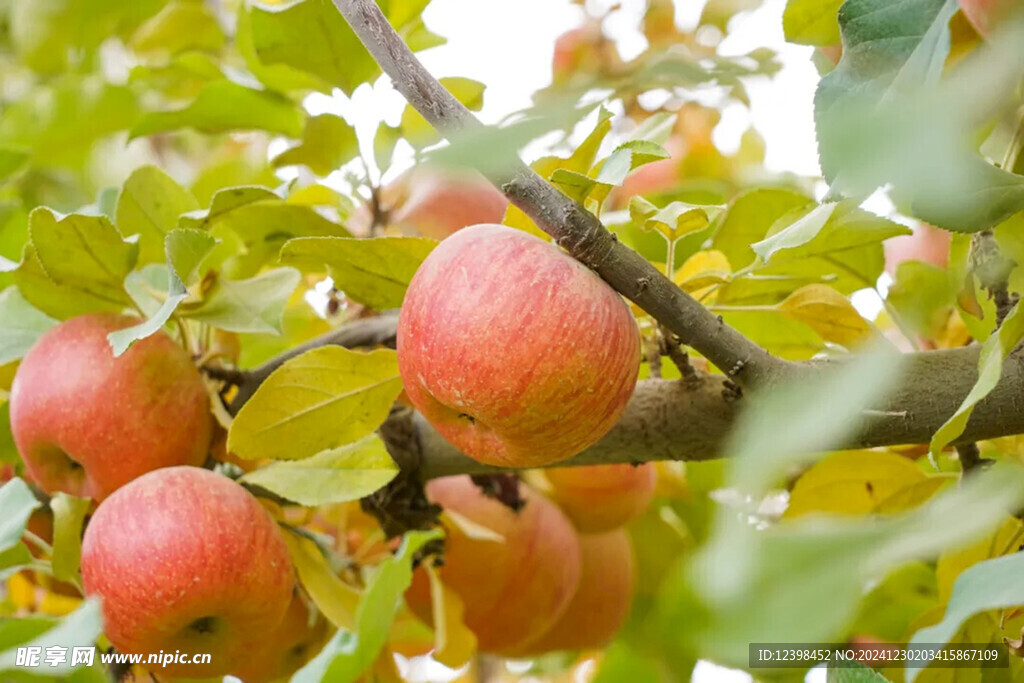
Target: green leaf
(799, 233)
(317, 401)
(181, 25)
(384, 142)
(415, 128)
(990, 368)
(81, 253)
(252, 305)
(350, 652)
(853, 672)
(149, 206)
(60, 121)
(68, 520)
(749, 217)
(40, 28)
(338, 475)
(185, 251)
(328, 142)
(16, 505)
(81, 628)
(923, 296)
(801, 581)
(225, 106)
(186, 248)
(12, 161)
(884, 117)
(812, 22)
(311, 36)
(375, 272)
(992, 584)
(628, 157)
(262, 221)
(22, 325)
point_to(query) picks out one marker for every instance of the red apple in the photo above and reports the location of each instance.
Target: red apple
(985, 15)
(927, 243)
(86, 422)
(602, 497)
(512, 589)
(286, 648)
(514, 351)
(601, 604)
(186, 559)
(439, 202)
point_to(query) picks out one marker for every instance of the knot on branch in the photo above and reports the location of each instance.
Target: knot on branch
(503, 488)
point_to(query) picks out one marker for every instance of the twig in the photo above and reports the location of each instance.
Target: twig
(576, 230)
(679, 357)
(970, 458)
(231, 375)
(993, 270)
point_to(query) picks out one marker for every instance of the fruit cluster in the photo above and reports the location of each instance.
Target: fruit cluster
(184, 559)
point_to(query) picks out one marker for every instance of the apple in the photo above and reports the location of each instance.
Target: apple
(512, 589)
(439, 202)
(187, 560)
(602, 497)
(287, 647)
(602, 601)
(927, 243)
(87, 423)
(985, 15)
(574, 49)
(514, 351)
(434, 202)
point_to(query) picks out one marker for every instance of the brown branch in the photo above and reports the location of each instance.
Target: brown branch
(578, 231)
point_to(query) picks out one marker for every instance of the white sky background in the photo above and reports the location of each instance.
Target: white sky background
(509, 45)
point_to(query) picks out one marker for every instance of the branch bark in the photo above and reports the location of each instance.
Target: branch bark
(576, 230)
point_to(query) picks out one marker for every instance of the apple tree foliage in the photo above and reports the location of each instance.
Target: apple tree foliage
(160, 157)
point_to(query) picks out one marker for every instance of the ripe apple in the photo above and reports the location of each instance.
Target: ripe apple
(186, 559)
(513, 589)
(514, 351)
(435, 202)
(985, 15)
(927, 243)
(286, 648)
(86, 422)
(602, 497)
(601, 604)
(439, 202)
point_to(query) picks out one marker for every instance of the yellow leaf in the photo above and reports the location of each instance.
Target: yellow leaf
(851, 482)
(336, 599)
(454, 643)
(914, 495)
(702, 271)
(469, 528)
(828, 313)
(320, 400)
(1005, 540)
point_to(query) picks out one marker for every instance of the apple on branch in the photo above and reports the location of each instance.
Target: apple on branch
(87, 423)
(514, 587)
(515, 352)
(187, 560)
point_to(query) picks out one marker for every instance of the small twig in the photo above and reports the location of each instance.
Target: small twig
(970, 458)
(231, 375)
(678, 355)
(652, 353)
(993, 271)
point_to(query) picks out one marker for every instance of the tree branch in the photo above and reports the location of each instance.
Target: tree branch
(576, 230)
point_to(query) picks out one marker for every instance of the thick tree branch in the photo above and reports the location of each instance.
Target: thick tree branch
(575, 229)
